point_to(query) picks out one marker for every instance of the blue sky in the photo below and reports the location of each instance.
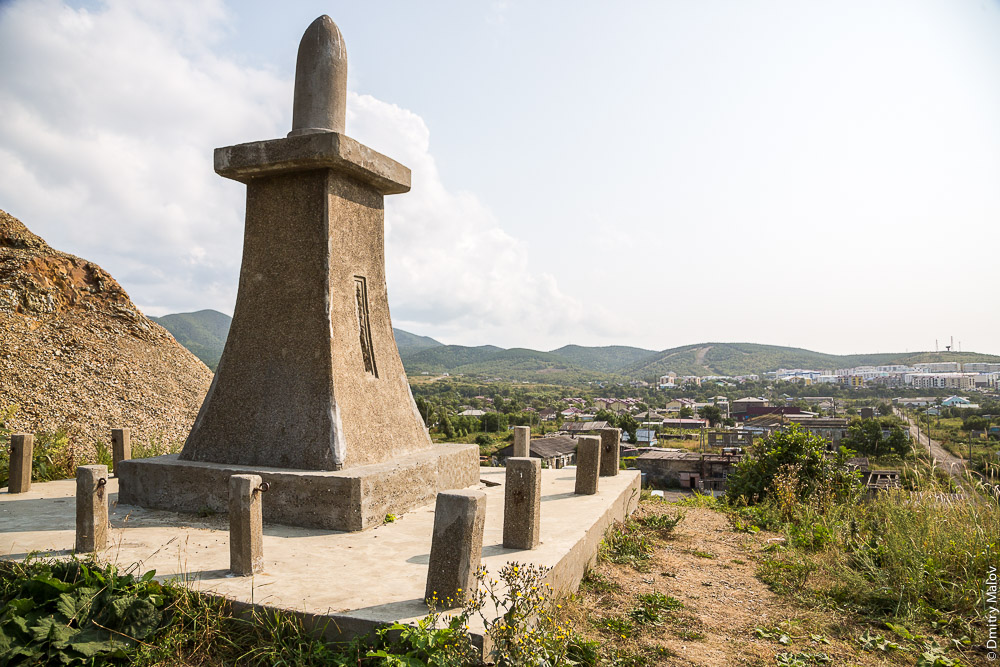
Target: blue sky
(822, 175)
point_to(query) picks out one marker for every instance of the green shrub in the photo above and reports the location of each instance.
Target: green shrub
(6, 414)
(75, 612)
(917, 552)
(799, 458)
(52, 457)
(809, 536)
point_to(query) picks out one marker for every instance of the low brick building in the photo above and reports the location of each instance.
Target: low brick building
(687, 470)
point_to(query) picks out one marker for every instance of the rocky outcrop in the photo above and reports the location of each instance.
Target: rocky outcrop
(76, 354)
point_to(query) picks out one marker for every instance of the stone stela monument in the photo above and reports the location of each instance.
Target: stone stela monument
(310, 392)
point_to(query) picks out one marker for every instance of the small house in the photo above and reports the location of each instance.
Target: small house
(555, 451)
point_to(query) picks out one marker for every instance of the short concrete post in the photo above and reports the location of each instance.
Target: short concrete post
(610, 447)
(121, 447)
(522, 441)
(22, 448)
(91, 508)
(456, 547)
(522, 503)
(246, 530)
(588, 464)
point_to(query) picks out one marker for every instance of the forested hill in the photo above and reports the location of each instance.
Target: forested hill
(205, 331)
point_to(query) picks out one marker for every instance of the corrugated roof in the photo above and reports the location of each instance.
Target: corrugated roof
(584, 426)
(546, 448)
(675, 456)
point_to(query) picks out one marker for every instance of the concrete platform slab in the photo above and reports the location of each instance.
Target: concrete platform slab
(347, 582)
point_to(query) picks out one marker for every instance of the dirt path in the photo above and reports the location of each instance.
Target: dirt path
(710, 570)
(699, 357)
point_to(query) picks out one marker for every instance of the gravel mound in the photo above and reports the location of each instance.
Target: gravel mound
(76, 354)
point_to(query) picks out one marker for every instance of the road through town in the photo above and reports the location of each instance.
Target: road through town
(954, 465)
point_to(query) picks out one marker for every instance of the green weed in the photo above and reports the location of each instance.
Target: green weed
(701, 500)
(595, 581)
(785, 575)
(620, 626)
(802, 659)
(75, 612)
(652, 608)
(526, 631)
(624, 545)
(773, 634)
(664, 523)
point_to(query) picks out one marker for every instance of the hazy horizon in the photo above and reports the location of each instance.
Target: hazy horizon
(654, 350)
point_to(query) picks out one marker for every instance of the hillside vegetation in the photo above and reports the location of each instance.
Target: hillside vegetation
(608, 359)
(203, 333)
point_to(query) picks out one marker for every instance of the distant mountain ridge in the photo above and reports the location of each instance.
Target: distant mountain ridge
(753, 358)
(204, 333)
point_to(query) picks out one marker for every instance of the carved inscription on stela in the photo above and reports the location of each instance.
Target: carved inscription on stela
(364, 324)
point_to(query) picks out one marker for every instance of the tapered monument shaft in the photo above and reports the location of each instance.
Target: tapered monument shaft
(310, 377)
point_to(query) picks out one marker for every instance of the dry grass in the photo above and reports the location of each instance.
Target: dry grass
(724, 614)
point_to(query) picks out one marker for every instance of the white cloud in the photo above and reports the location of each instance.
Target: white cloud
(110, 118)
(451, 269)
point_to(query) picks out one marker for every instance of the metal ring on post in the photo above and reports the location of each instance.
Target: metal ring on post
(264, 486)
(102, 481)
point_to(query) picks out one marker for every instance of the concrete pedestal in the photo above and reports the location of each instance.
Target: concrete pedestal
(121, 447)
(22, 448)
(246, 531)
(91, 508)
(611, 439)
(456, 547)
(588, 464)
(522, 503)
(354, 499)
(343, 584)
